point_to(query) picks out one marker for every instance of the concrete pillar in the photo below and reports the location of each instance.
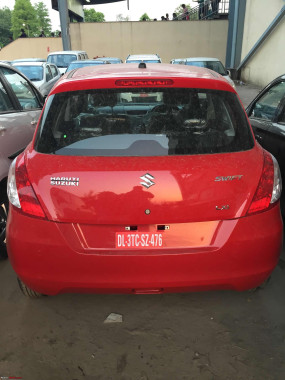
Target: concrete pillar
(64, 23)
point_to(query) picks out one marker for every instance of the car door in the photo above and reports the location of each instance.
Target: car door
(48, 80)
(55, 75)
(264, 114)
(18, 122)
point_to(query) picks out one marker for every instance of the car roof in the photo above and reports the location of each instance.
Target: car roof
(82, 78)
(107, 59)
(30, 63)
(143, 56)
(82, 61)
(68, 52)
(29, 60)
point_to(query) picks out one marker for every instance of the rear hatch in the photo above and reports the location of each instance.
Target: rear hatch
(150, 190)
(109, 160)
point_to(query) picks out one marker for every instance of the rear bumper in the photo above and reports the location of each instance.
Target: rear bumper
(48, 259)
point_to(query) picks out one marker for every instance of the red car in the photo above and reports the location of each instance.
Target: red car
(143, 179)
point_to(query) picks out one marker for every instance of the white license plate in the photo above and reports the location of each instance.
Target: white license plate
(143, 240)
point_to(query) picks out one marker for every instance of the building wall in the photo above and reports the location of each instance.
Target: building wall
(171, 39)
(30, 48)
(268, 62)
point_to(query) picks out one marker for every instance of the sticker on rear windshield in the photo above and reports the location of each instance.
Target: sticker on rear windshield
(64, 181)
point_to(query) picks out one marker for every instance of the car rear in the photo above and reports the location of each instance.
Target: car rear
(143, 180)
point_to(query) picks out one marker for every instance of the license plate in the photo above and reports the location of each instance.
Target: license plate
(143, 240)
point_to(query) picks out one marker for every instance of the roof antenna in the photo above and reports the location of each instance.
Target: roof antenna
(142, 65)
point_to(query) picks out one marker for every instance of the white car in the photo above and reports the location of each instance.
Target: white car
(43, 75)
(147, 58)
(62, 59)
(210, 63)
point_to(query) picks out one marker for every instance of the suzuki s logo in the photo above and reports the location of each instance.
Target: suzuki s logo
(147, 178)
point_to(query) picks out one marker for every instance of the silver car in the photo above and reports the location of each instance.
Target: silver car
(20, 108)
(210, 63)
(44, 75)
(147, 58)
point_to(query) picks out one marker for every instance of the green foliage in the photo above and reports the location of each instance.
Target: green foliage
(24, 17)
(90, 15)
(144, 17)
(44, 21)
(5, 26)
(120, 17)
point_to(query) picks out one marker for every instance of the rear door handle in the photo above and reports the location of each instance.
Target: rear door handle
(2, 129)
(34, 122)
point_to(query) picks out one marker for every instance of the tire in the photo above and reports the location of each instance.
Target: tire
(4, 208)
(261, 286)
(27, 291)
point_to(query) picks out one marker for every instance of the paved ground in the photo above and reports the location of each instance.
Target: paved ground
(220, 335)
(247, 92)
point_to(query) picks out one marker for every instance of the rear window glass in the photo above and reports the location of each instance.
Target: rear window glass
(34, 73)
(143, 60)
(79, 64)
(61, 60)
(143, 122)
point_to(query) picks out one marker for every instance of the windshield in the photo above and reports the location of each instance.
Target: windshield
(212, 65)
(143, 122)
(144, 60)
(62, 60)
(79, 64)
(34, 73)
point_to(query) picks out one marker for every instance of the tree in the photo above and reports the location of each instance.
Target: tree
(144, 17)
(43, 18)
(90, 15)
(179, 12)
(24, 17)
(5, 26)
(120, 17)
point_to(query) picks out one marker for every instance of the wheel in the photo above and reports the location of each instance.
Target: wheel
(27, 291)
(4, 207)
(261, 286)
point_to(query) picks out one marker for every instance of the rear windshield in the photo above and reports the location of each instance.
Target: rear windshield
(61, 60)
(143, 122)
(143, 60)
(79, 64)
(212, 65)
(34, 73)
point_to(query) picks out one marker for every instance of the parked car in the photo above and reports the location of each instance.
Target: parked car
(7, 62)
(267, 117)
(20, 107)
(210, 63)
(147, 58)
(110, 59)
(86, 62)
(29, 60)
(168, 193)
(44, 75)
(63, 58)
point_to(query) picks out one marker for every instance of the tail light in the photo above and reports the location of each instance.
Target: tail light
(20, 190)
(270, 186)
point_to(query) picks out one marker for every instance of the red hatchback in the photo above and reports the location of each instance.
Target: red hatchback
(143, 179)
